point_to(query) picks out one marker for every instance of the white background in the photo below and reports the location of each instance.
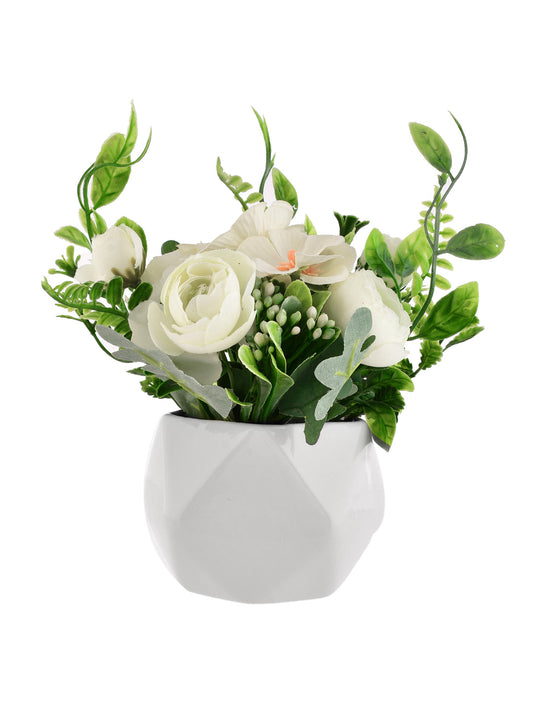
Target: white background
(437, 614)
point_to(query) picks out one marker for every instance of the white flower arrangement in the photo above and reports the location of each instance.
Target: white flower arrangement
(271, 322)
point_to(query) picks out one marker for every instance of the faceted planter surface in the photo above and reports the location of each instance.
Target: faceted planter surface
(252, 513)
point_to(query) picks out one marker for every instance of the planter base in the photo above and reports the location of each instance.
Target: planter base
(251, 513)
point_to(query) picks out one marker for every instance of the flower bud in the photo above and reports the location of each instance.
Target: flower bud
(263, 326)
(268, 301)
(271, 312)
(295, 318)
(328, 333)
(311, 312)
(256, 293)
(322, 320)
(310, 323)
(317, 333)
(281, 318)
(277, 299)
(258, 355)
(295, 330)
(260, 339)
(268, 288)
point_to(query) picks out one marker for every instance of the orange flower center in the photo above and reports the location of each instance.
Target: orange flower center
(285, 266)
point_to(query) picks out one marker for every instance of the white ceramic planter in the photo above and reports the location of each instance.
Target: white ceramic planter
(252, 513)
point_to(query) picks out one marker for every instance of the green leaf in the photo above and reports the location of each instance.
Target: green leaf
(334, 372)
(68, 264)
(234, 183)
(275, 332)
(301, 291)
(309, 227)
(319, 300)
(452, 313)
(414, 251)
(160, 364)
(381, 420)
(169, 246)
(131, 135)
(254, 197)
(430, 354)
(100, 224)
(477, 242)
(432, 147)
(377, 255)
(284, 189)
(74, 235)
(465, 335)
(136, 228)
(444, 264)
(141, 293)
(349, 225)
(109, 181)
(416, 285)
(246, 357)
(281, 384)
(391, 377)
(115, 291)
(442, 283)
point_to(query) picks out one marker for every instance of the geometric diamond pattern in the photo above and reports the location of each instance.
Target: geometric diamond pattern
(251, 513)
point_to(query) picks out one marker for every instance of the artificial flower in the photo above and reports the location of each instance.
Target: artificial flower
(116, 252)
(259, 220)
(390, 322)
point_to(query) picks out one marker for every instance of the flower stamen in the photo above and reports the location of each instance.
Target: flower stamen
(291, 264)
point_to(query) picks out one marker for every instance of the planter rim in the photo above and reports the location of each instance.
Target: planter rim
(289, 425)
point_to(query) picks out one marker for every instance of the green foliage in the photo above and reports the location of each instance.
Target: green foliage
(377, 255)
(381, 419)
(238, 187)
(476, 242)
(413, 252)
(74, 235)
(284, 189)
(465, 335)
(309, 227)
(169, 246)
(452, 313)
(432, 147)
(140, 294)
(430, 354)
(269, 160)
(66, 265)
(349, 226)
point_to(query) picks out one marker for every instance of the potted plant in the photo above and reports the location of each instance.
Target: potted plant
(285, 352)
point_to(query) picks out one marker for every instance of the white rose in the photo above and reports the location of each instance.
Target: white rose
(116, 252)
(390, 323)
(204, 306)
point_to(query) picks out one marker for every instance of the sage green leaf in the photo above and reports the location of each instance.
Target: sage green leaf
(74, 235)
(430, 354)
(432, 147)
(131, 135)
(160, 364)
(284, 189)
(414, 251)
(477, 242)
(452, 313)
(136, 228)
(115, 291)
(378, 256)
(381, 420)
(290, 305)
(334, 372)
(465, 335)
(140, 294)
(109, 181)
(301, 291)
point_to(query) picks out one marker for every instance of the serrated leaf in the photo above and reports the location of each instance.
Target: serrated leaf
(477, 242)
(109, 181)
(430, 354)
(284, 189)
(452, 313)
(432, 147)
(74, 235)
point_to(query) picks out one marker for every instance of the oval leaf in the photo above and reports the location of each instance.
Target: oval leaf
(74, 235)
(452, 313)
(432, 147)
(109, 182)
(284, 189)
(377, 255)
(476, 242)
(141, 293)
(114, 291)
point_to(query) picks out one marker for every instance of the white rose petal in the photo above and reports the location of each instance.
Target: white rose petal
(390, 322)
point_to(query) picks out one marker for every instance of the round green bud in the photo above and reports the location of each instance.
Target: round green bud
(258, 355)
(281, 317)
(271, 312)
(295, 317)
(256, 293)
(268, 301)
(328, 333)
(277, 299)
(268, 288)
